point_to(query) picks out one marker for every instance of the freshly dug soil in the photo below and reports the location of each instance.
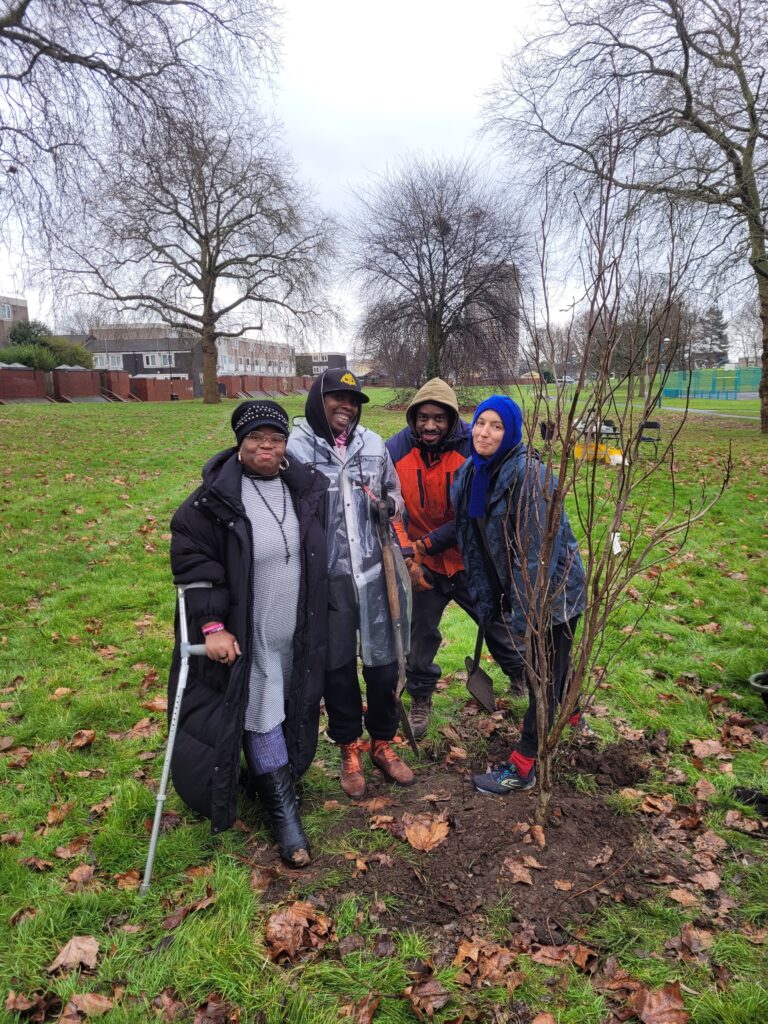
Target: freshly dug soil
(590, 855)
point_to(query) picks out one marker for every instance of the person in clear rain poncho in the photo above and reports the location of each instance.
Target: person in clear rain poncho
(360, 473)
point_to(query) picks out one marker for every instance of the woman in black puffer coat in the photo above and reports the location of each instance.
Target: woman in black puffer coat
(218, 538)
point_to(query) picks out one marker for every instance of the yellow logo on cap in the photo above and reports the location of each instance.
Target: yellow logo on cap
(348, 379)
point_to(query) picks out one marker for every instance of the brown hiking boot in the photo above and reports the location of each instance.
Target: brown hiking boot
(387, 761)
(352, 778)
(421, 710)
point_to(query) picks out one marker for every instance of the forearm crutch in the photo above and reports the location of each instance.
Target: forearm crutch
(186, 650)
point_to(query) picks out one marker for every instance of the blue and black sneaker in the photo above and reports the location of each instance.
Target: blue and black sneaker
(504, 779)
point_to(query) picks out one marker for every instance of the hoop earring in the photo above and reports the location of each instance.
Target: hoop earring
(284, 464)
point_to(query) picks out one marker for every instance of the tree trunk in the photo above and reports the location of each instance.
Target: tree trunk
(434, 339)
(210, 358)
(762, 298)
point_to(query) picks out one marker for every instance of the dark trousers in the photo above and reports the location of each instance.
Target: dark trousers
(344, 702)
(421, 670)
(559, 657)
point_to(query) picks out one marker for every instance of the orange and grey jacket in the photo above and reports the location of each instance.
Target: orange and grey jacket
(426, 476)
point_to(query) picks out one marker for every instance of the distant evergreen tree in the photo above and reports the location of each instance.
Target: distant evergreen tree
(713, 330)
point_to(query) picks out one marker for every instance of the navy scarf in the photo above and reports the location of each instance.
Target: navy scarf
(512, 417)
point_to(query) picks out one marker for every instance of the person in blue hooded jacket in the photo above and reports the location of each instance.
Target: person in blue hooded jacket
(502, 498)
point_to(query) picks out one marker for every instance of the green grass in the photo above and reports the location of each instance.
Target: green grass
(87, 605)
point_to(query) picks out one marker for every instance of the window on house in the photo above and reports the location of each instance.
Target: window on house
(5, 311)
(99, 361)
(155, 359)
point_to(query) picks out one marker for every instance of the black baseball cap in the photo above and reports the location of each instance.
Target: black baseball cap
(340, 379)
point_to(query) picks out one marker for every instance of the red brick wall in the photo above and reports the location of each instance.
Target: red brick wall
(116, 381)
(233, 384)
(184, 389)
(22, 384)
(75, 383)
(148, 389)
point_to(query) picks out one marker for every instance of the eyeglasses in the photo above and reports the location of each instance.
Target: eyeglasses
(271, 440)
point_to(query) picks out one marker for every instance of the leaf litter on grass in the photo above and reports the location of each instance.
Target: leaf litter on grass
(660, 850)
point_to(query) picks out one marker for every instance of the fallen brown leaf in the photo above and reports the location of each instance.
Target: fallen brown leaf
(538, 837)
(81, 876)
(427, 996)
(262, 878)
(706, 748)
(704, 789)
(683, 897)
(91, 1004)
(72, 849)
(143, 729)
(58, 813)
(363, 1011)
(156, 704)
(376, 803)
(601, 858)
(82, 738)
(36, 864)
(22, 915)
(708, 880)
(180, 913)
(660, 1006)
(214, 1010)
(107, 652)
(696, 939)
(297, 928)
(128, 879)
(654, 804)
(424, 832)
(456, 755)
(517, 871)
(168, 1004)
(81, 950)
(563, 884)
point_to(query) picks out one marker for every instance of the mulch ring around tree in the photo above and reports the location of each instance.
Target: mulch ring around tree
(487, 854)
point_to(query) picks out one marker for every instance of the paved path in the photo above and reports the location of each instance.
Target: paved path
(708, 412)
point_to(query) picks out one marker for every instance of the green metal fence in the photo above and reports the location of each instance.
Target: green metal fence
(742, 383)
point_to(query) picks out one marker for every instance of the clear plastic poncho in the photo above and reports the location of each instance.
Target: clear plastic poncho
(358, 590)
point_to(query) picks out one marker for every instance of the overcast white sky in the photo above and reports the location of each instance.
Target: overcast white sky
(362, 84)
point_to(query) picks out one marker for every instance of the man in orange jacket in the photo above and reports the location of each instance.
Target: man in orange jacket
(428, 454)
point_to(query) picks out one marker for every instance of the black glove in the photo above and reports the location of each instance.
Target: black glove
(389, 504)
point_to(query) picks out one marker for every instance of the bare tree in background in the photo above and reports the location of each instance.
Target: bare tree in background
(683, 83)
(69, 70)
(747, 332)
(436, 248)
(203, 225)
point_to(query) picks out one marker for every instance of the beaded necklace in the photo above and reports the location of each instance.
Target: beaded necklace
(271, 511)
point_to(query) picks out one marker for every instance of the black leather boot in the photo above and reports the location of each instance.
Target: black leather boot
(278, 798)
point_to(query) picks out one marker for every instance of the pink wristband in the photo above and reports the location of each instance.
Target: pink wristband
(213, 627)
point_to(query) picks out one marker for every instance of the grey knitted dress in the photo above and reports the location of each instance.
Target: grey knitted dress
(275, 596)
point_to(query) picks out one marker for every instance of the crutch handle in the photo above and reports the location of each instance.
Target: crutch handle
(198, 649)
